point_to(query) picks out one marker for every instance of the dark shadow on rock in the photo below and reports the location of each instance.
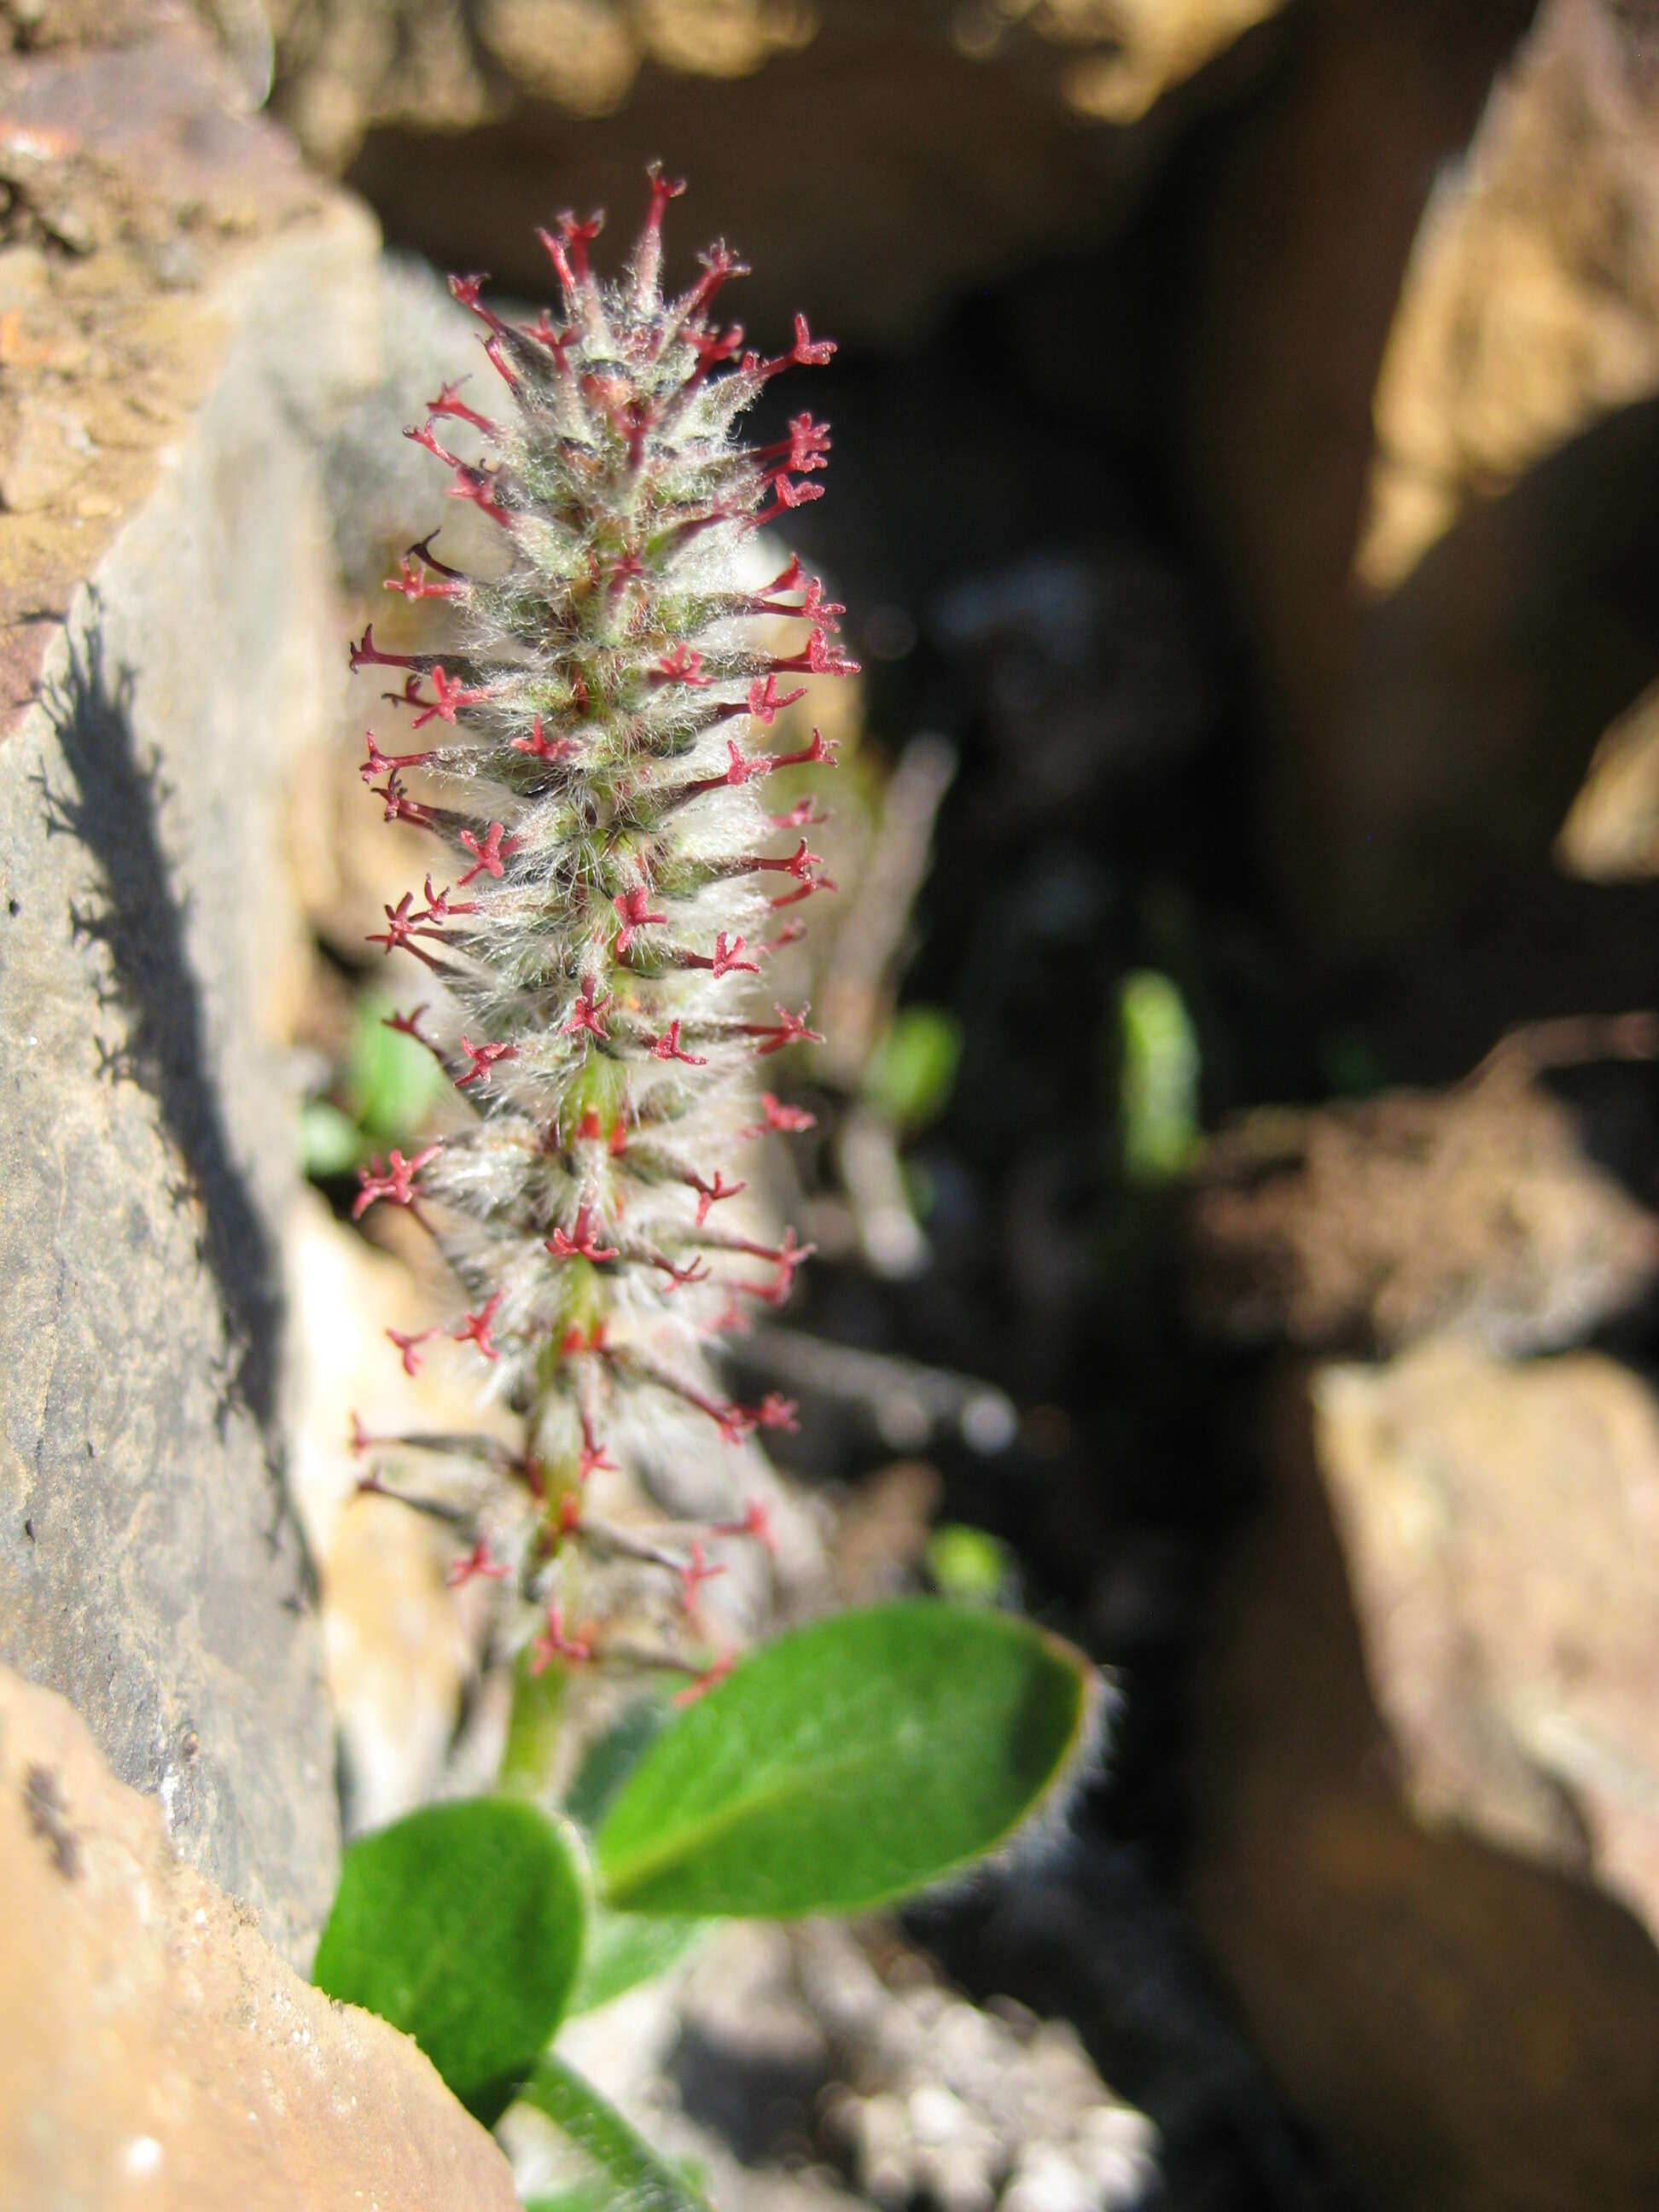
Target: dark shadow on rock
(138, 914)
(1481, 686)
(1457, 2024)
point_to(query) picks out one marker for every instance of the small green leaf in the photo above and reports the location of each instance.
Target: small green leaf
(1158, 1078)
(626, 1948)
(391, 1082)
(846, 1764)
(911, 1073)
(640, 2181)
(966, 1564)
(462, 1925)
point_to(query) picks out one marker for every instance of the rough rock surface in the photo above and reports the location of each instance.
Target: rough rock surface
(190, 326)
(154, 2052)
(1456, 2026)
(1501, 1526)
(1368, 1227)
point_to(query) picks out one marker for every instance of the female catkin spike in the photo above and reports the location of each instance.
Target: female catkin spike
(588, 753)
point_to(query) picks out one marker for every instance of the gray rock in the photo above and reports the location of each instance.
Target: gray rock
(148, 1567)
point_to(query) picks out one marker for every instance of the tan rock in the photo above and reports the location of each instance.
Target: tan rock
(1611, 833)
(1142, 47)
(1501, 1525)
(1530, 304)
(138, 198)
(1368, 1227)
(400, 1646)
(155, 2053)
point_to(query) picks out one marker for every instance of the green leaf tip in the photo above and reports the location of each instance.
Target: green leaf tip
(461, 1925)
(636, 2177)
(848, 1763)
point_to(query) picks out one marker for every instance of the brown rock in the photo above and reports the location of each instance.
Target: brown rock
(1456, 2026)
(1425, 743)
(153, 2050)
(1368, 1227)
(135, 196)
(927, 146)
(1501, 1526)
(1530, 304)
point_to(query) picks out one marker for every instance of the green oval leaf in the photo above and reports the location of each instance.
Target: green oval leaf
(635, 2178)
(462, 1925)
(846, 1764)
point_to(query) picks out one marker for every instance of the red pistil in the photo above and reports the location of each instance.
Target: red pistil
(438, 906)
(694, 1574)
(488, 857)
(448, 700)
(394, 1181)
(447, 403)
(481, 1059)
(409, 1025)
(756, 1522)
(369, 769)
(426, 439)
(764, 702)
(478, 1561)
(367, 654)
(568, 251)
(710, 1193)
(818, 657)
(591, 1459)
(399, 808)
(587, 1014)
(790, 1119)
(476, 484)
(410, 586)
(789, 1029)
(476, 1328)
(554, 1644)
(725, 960)
(541, 748)
(402, 929)
(804, 450)
(632, 909)
(406, 1347)
(667, 1046)
(582, 1242)
(682, 664)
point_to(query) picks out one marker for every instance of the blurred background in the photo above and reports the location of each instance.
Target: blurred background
(1238, 1132)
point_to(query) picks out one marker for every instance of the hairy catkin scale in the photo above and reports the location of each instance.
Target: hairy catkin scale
(592, 752)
